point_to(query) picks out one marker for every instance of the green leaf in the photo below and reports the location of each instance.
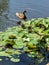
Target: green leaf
(15, 60)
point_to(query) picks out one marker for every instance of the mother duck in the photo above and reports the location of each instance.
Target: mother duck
(22, 16)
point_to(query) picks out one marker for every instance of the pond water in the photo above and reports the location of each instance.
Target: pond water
(8, 8)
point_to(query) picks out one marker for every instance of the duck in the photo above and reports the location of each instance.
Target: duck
(22, 15)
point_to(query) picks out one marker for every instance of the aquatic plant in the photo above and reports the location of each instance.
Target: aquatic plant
(30, 38)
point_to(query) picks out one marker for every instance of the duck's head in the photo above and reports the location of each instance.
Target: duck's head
(24, 12)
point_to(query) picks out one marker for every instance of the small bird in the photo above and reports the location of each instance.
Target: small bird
(22, 16)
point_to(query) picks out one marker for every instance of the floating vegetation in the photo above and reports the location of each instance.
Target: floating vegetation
(12, 37)
(30, 37)
(0, 59)
(15, 60)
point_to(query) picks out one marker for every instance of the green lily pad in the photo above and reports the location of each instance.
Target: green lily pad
(0, 59)
(17, 52)
(15, 60)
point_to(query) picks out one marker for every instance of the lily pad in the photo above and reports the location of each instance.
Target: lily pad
(0, 59)
(15, 60)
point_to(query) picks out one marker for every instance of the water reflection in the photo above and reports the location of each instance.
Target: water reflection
(4, 12)
(3, 9)
(3, 6)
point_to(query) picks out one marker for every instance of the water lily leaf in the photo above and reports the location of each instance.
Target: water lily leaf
(40, 60)
(2, 53)
(13, 29)
(9, 51)
(18, 43)
(0, 48)
(46, 31)
(32, 54)
(26, 23)
(31, 45)
(2, 43)
(19, 28)
(0, 59)
(18, 46)
(15, 60)
(26, 39)
(17, 52)
(47, 39)
(20, 34)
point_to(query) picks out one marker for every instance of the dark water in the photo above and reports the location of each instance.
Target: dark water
(8, 8)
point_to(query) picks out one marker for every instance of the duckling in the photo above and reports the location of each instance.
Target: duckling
(22, 16)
